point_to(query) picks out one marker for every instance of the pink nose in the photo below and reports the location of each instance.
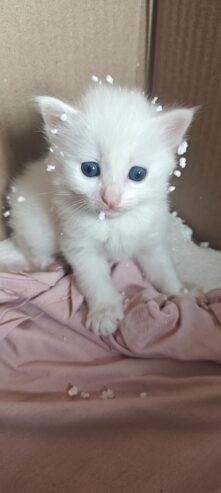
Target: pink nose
(111, 196)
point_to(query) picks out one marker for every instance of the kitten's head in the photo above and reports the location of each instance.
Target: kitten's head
(114, 149)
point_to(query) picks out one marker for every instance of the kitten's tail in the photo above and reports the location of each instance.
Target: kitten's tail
(11, 259)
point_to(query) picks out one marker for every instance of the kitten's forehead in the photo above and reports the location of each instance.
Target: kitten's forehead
(117, 108)
(118, 119)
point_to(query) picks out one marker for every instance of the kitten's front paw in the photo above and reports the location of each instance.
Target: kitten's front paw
(104, 320)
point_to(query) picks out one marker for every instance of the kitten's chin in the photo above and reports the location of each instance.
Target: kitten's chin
(111, 213)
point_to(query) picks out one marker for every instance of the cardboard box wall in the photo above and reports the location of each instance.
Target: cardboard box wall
(186, 69)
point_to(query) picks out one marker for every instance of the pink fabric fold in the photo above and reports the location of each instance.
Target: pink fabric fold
(44, 344)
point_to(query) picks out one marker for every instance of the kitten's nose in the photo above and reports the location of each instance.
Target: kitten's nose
(111, 196)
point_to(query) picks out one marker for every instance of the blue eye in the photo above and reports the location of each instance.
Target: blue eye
(90, 169)
(137, 173)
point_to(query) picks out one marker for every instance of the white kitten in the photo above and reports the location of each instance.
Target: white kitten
(127, 150)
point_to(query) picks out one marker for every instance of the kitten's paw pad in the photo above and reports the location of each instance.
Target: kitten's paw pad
(104, 321)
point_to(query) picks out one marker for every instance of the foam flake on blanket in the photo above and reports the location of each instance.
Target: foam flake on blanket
(85, 395)
(107, 394)
(143, 395)
(73, 391)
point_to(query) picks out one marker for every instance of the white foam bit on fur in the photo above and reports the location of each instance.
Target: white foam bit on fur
(21, 199)
(154, 100)
(172, 188)
(8, 197)
(143, 395)
(13, 189)
(85, 395)
(107, 394)
(101, 216)
(64, 117)
(51, 149)
(61, 153)
(177, 173)
(94, 78)
(174, 213)
(182, 162)
(187, 232)
(50, 167)
(159, 107)
(204, 244)
(73, 391)
(6, 213)
(182, 148)
(109, 79)
(100, 82)
(54, 130)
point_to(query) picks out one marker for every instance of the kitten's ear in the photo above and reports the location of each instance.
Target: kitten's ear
(59, 118)
(174, 125)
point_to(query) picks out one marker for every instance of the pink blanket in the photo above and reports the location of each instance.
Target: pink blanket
(45, 346)
(160, 433)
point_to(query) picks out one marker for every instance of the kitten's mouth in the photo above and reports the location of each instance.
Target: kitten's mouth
(112, 212)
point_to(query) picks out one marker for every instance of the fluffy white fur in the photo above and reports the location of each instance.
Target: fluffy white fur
(117, 128)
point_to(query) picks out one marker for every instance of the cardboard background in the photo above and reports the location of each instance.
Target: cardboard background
(186, 70)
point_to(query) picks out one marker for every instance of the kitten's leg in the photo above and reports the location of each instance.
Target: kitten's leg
(11, 259)
(158, 268)
(34, 234)
(105, 303)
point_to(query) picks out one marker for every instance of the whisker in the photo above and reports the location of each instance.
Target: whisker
(53, 193)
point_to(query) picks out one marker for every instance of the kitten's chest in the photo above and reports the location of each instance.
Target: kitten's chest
(118, 241)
